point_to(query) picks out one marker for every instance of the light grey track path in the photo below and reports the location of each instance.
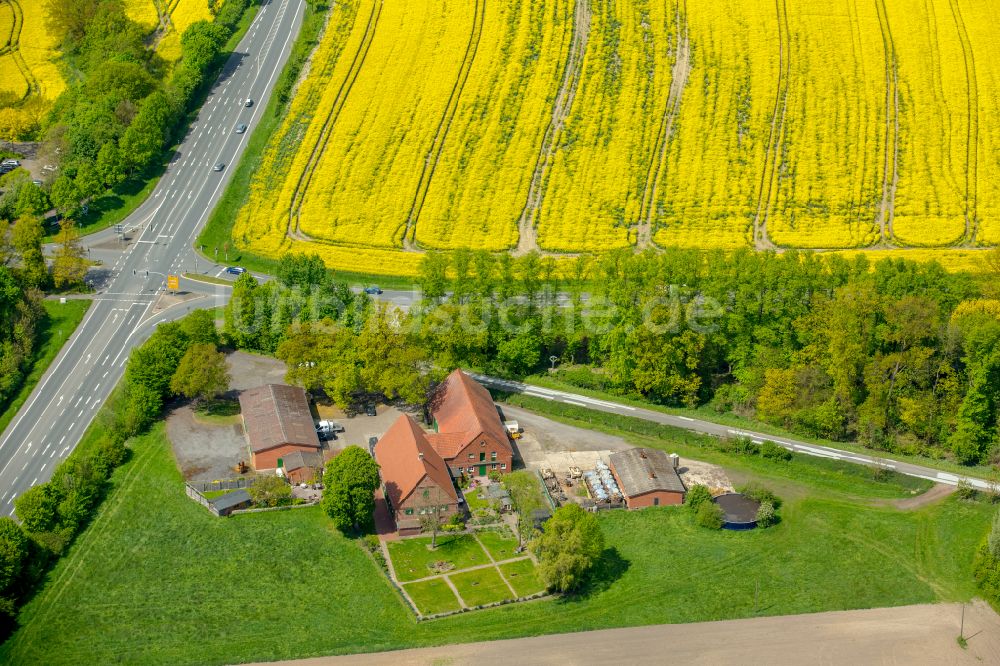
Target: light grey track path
(123, 314)
(907, 635)
(715, 429)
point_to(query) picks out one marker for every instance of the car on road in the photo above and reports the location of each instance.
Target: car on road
(373, 290)
(241, 128)
(219, 166)
(248, 103)
(370, 409)
(236, 270)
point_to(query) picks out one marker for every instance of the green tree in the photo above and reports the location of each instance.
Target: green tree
(710, 515)
(202, 373)
(570, 545)
(270, 490)
(391, 362)
(88, 180)
(154, 363)
(696, 496)
(38, 508)
(26, 239)
(199, 327)
(13, 554)
(69, 266)
(111, 167)
(349, 484)
(65, 196)
(31, 200)
(302, 270)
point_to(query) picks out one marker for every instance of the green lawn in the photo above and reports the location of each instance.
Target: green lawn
(500, 546)
(481, 586)
(522, 576)
(474, 500)
(60, 320)
(156, 579)
(433, 596)
(411, 558)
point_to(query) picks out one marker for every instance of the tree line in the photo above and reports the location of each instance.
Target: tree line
(180, 358)
(899, 355)
(122, 107)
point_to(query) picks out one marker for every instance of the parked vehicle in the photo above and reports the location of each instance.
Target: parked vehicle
(329, 427)
(370, 409)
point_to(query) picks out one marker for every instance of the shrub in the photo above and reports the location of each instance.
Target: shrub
(993, 542)
(740, 446)
(37, 508)
(966, 491)
(269, 491)
(710, 515)
(776, 452)
(760, 494)
(765, 515)
(696, 496)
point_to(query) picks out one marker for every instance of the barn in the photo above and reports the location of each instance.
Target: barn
(277, 422)
(647, 477)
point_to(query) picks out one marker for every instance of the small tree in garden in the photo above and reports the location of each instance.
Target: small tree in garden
(434, 515)
(696, 496)
(765, 514)
(349, 483)
(710, 515)
(270, 490)
(570, 545)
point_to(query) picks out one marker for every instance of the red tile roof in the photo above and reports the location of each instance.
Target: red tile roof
(277, 414)
(464, 410)
(401, 465)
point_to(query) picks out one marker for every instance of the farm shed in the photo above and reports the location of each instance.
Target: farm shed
(647, 477)
(223, 505)
(302, 466)
(278, 422)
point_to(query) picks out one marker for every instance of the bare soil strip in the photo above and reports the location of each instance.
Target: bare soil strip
(890, 176)
(527, 239)
(761, 241)
(434, 153)
(305, 178)
(972, 135)
(678, 80)
(912, 635)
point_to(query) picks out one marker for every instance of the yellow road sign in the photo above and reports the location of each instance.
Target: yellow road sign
(172, 282)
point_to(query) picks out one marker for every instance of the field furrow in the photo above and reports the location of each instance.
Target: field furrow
(716, 158)
(593, 191)
(481, 177)
(984, 36)
(934, 124)
(828, 180)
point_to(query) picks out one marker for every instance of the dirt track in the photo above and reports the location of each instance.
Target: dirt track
(908, 635)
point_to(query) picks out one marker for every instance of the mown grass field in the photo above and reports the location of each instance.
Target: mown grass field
(156, 579)
(571, 127)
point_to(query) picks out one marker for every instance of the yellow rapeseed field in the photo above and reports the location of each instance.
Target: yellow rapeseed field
(816, 124)
(143, 12)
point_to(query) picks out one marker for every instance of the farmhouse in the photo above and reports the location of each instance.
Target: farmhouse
(415, 479)
(277, 422)
(468, 433)
(647, 477)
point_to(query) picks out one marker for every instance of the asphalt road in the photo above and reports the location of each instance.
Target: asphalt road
(130, 302)
(717, 430)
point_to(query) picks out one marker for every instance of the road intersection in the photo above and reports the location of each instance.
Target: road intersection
(160, 234)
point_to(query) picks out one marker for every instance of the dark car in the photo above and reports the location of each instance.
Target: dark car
(219, 166)
(236, 270)
(370, 409)
(372, 441)
(241, 128)
(373, 290)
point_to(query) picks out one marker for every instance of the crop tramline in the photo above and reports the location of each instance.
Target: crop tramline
(454, 98)
(931, 193)
(594, 188)
(828, 174)
(363, 187)
(984, 36)
(678, 80)
(890, 151)
(715, 158)
(480, 179)
(263, 224)
(332, 112)
(527, 240)
(972, 136)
